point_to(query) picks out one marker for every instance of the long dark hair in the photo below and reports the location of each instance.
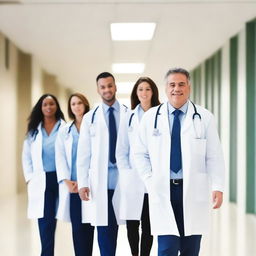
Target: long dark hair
(36, 115)
(83, 99)
(155, 96)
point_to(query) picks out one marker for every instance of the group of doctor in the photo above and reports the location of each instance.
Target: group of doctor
(154, 165)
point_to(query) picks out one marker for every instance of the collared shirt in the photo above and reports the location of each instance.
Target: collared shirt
(140, 112)
(112, 168)
(48, 150)
(75, 135)
(184, 108)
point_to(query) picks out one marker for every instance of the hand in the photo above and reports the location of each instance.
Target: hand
(72, 186)
(217, 199)
(84, 194)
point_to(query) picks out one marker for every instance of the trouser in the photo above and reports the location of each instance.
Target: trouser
(170, 245)
(107, 235)
(133, 232)
(47, 224)
(82, 233)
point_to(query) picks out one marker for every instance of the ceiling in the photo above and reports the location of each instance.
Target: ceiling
(72, 38)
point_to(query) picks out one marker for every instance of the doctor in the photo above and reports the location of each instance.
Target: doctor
(38, 159)
(133, 195)
(96, 163)
(180, 159)
(66, 153)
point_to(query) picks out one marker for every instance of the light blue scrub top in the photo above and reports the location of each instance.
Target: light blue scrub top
(184, 108)
(48, 150)
(112, 168)
(75, 135)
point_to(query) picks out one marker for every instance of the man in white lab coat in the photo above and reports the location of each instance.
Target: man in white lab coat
(180, 160)
(97, 172)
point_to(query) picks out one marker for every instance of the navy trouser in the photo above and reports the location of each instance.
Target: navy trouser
(133, 232)
(107, 235)
(47, 224)
(170, 245)
(82, 233)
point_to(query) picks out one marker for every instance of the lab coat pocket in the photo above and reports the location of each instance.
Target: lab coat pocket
(198, 154)
(35, 185)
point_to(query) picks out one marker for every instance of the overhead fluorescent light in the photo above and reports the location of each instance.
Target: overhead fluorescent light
(128, 68)
(132, 31)
(124, 87)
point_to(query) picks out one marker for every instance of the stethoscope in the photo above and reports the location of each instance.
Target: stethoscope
(68, 130)
(34, 134)
(92, 126)
(196, 122)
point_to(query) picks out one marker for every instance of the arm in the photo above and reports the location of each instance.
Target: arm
(62, 168)
(141, 155)
(215, 163)
(123, 144)
(27, 160)
(84, 159)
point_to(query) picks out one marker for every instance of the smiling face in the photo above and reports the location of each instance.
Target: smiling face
(144, 93)
(177, 89)
(49, 107)
(77, 107)
(106, 88)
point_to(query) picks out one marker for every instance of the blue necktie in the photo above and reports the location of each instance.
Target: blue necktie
(112, 136)
(175, 160)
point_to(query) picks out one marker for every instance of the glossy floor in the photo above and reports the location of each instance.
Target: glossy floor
(232, 233)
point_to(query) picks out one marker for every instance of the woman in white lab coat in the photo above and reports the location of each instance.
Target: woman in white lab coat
(66, 153)
(133, 195)
(38, 159)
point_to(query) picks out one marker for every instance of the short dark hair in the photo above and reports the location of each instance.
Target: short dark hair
(36, 116)
(178, 71)
(83, 99)
(104, 75)
(155, 96)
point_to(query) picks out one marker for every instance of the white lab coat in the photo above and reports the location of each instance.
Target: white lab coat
(202, 164)
(131, 187)
(63, 155)
(34, 173)
(92, 165)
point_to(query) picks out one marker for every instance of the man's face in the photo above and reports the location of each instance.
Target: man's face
(107, 89)
(177, 89)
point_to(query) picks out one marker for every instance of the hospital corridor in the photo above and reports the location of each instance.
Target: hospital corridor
(60, 46)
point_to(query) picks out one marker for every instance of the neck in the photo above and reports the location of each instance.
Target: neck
(109, 103)
(50, 120)
(78, 119)
(145, 106)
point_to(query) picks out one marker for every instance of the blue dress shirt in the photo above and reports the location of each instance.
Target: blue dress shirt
(48, 150)
(184, 108)
(112, 168)
(75, 135)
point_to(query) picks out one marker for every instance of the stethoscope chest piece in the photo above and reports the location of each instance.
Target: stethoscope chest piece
(156, 132)
(130, 129)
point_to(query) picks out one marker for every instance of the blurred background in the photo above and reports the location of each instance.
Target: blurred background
(61, 46)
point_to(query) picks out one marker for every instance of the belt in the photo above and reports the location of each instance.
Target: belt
(176, 181)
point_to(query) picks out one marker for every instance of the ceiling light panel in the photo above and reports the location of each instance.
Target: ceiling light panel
(124, 87)
(128, 68)
(132, 31)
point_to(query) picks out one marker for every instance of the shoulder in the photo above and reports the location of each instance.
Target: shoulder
(205, 113)
(92, 112)
(152, 111)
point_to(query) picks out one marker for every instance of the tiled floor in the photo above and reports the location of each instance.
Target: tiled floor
(233, 234)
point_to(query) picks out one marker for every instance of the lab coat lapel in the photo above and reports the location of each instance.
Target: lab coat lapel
(188, 118)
